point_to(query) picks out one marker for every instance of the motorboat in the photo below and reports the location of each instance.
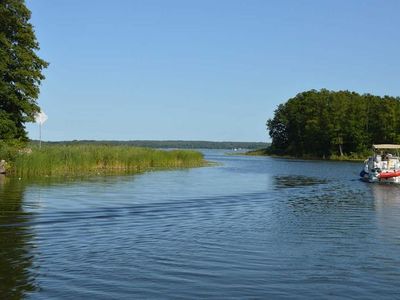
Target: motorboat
(383, 165)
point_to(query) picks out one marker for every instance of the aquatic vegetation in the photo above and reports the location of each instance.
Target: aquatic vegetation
(94, 159)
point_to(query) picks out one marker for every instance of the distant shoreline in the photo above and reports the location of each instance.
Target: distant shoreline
(181, 144)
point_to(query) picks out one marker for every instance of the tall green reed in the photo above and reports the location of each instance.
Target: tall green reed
(93, 159)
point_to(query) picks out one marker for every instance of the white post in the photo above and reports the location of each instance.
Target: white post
(40, 118)
(40, 135)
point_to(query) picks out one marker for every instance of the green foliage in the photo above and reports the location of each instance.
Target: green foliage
(257, 152)
(94, 159)
(9, 149)
(20, 69)
(327, 123)
(8, 128)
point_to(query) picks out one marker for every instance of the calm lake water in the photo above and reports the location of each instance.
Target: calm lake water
(249, 228)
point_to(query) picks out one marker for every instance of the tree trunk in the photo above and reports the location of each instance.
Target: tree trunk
(340, 150)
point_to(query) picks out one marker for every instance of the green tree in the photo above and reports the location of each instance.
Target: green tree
(323, 123)
(278, 130)
(20, 69)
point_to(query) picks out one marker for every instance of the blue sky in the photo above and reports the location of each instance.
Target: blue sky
(203, 70)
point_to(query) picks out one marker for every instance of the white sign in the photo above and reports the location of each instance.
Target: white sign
(40, 118)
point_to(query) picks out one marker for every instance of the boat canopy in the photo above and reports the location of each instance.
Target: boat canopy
(386, 146)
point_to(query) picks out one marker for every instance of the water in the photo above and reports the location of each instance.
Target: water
(250, 227)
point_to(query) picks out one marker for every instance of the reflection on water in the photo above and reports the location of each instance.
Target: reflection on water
(387, 204)
(292, 181)
(17, 275)
(248, 228)
(386, 195)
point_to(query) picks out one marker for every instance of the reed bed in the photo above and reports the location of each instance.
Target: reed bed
(76, 160)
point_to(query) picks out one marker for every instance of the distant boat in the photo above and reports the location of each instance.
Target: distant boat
(384, 165)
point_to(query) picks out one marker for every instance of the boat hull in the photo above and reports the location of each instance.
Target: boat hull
(383, 177)
(389, 174)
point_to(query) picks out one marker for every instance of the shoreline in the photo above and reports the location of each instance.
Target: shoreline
(345, 158)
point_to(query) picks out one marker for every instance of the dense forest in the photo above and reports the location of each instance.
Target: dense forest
(327, 123)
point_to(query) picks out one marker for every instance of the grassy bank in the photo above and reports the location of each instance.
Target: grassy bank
(257, 152)
(346, 157)
(94, 159)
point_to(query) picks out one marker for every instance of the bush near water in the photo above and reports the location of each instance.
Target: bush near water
(94, 159)
(333, 124)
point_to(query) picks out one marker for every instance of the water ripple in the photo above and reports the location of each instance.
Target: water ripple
(250, 228)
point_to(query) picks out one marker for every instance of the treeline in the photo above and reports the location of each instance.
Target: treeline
(169, 144)
(326, 123)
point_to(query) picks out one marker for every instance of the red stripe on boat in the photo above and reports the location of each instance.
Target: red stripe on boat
(389, 174)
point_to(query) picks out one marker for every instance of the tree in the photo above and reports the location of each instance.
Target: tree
(277, 128)
(20, 70)
(324, 123)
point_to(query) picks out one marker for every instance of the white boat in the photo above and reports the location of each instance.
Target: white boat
(383, 165)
